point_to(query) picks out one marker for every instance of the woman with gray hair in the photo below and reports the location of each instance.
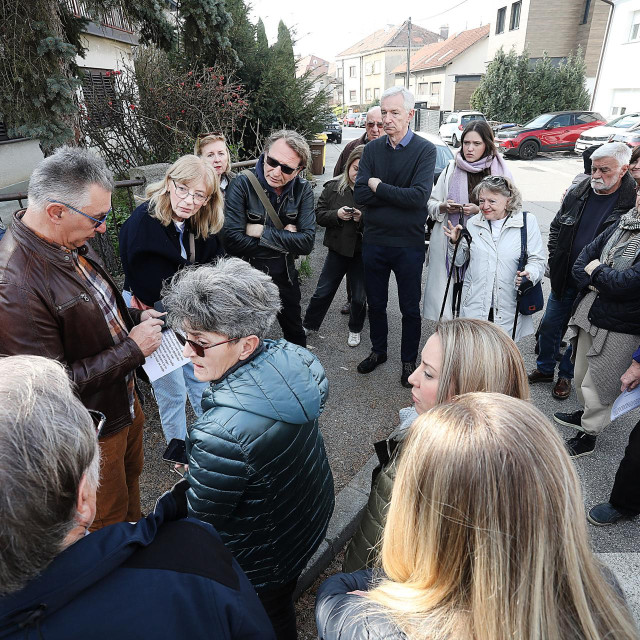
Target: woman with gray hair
(257, 468)
(492, 277)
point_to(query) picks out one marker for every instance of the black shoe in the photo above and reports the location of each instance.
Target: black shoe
(345, 309)
(539, 376)
(371, 362)
(603, 514)
(582, 444)
(407, 369)
(573, 419)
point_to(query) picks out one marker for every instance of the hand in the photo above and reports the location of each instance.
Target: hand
(519, 276)
(453, 233)
(450, 206)
(631, 377)
(591, 266)
(357, 215)
(343, 214)
(373, 183)
(291, 227)
(147, 335)
(181, 469)
(470, 209)
(152, 313)
(254, 230)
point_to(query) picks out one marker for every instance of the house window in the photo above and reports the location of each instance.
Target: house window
(585, 15)
(514, 21)
(99, 92)
(376, 94)
(339, 72)
(368, 68)
(376, 66)
(423, 88)
(367, 94)
(352, 96)
(352, 72)
(435, 90)
(635, 27)
(502, 14)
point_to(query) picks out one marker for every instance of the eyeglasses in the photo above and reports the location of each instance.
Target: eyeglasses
(98, 221)
(183, 192)
(286, 169)
(99, 420)
(370, 125)
(198, 348)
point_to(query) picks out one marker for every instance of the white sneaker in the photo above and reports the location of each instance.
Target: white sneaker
(354, 339)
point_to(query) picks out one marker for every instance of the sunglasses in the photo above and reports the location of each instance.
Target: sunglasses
(375, 124)
(99, 420)
(497, 181)
(286, 169)
(98, 221)
(198, 348)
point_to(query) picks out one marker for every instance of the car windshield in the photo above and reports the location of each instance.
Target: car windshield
(625, 121)
(443, 155)
(539, 122)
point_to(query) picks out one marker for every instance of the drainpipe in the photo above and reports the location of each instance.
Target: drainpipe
(604, 46)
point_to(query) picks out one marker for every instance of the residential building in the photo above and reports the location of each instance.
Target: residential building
(443, 75)
(318, 70)
(366, 69)
(557, 27)
(617, 89)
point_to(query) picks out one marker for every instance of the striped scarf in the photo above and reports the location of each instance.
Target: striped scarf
(623, 247)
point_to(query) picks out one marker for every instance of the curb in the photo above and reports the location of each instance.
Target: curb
(350, 504)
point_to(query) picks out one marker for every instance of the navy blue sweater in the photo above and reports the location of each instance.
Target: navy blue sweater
(396, 213)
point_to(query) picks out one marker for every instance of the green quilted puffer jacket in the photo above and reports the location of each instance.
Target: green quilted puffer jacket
(258, 469)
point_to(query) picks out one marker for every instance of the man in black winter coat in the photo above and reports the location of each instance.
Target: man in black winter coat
(591, 206)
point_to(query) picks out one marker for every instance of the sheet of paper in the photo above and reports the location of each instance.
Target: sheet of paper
(166, 358)
(625, 402)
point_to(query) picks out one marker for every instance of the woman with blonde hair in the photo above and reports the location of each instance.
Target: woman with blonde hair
(214, 150)
(463, 355)
(485, 539)
(177, 225)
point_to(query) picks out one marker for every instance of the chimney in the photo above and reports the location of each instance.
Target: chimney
(444, 31)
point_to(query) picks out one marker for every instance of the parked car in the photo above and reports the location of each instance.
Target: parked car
(333, 131)
(557, 131)
(443, 153)
(454, 125)
(600, 135)
(630, 137)
(361, 120)
(350, 120)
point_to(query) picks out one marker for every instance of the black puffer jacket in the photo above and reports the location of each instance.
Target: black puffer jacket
(342, 236)
(617, 306)
(562, 230)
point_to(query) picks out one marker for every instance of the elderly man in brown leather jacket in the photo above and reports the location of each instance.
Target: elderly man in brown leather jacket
(57, 300)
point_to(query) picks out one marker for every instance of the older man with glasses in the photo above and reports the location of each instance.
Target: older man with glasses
(58, 301)
(373, 129)
(270, 220)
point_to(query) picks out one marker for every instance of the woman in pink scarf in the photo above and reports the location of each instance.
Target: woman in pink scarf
(451, 200)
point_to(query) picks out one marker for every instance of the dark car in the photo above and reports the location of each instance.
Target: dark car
(333, 131)
(556, 131)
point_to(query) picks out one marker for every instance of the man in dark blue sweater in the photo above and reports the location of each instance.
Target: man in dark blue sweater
(394, 183)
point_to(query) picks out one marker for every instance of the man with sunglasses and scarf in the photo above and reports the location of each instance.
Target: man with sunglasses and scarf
(251, 234)
(58, 301)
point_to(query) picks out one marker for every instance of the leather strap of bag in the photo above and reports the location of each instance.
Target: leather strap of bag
(263, 198)
(192, 248)
(521, 264)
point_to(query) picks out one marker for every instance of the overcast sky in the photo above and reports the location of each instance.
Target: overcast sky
(326, 27)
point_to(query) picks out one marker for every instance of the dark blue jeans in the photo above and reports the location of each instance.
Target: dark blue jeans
(406, 264)
(335, 267)
(552, 328)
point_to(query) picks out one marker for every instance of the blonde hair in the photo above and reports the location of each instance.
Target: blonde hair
(345, 180)
(207, 138)
(486, 537)
(479, 356)
(187, 170)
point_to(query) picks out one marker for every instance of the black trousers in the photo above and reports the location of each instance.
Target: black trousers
(625, 495)
(285, 276)
(278, 603)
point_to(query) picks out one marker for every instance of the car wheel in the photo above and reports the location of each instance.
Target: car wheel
(454, 141)
(339, 139)
(528, 150)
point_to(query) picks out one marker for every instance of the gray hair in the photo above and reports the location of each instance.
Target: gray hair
(616, 150)
(503, 186)
(407, 97)
(48, 442)
(230, 298)
(67, 176)
(373, 109)
(295, 141)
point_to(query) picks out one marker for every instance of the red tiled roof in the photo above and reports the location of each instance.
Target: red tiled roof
(438, 54)
(394, 36)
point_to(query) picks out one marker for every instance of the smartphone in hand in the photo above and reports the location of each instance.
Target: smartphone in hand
(175, 452)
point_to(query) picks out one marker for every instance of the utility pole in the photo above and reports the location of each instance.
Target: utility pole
(408, 51)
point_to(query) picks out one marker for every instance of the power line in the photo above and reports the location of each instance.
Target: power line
(443, 12)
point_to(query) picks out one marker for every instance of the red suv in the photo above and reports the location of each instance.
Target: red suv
(549, 132)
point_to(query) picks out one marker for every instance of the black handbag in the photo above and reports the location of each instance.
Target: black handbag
(529, 297)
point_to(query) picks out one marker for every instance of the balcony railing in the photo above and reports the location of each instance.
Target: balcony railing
(114, 18)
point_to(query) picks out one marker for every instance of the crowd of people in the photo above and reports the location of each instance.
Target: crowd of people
(474, 526)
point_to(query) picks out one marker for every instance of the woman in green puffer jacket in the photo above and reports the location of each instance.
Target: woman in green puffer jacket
(258, 470)
(462, 356)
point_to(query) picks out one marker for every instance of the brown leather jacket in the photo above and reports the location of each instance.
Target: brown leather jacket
(47, 309)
